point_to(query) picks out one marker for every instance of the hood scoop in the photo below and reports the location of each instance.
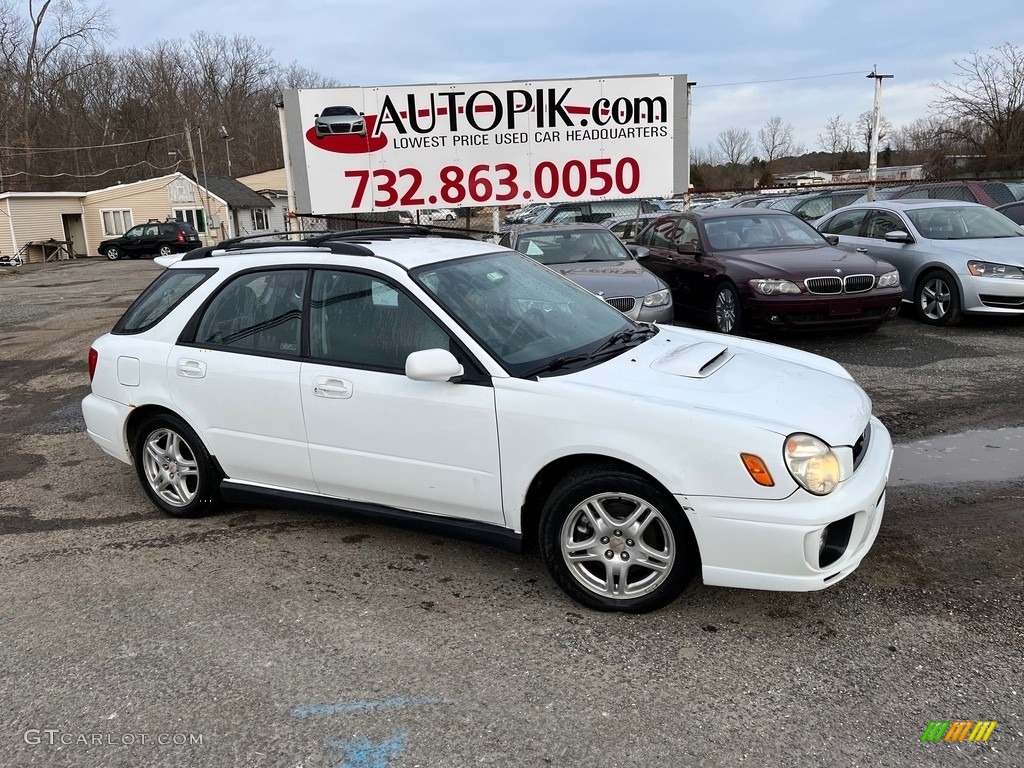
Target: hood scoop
(695, 361)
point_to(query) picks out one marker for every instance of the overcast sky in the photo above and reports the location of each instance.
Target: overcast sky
(803, 60)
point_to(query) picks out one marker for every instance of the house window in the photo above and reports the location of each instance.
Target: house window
(259, 219)
(116, 222)
(193, 216)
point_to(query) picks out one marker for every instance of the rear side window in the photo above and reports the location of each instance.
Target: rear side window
(162, 295)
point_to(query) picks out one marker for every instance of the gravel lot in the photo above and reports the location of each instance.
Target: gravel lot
(285, 638)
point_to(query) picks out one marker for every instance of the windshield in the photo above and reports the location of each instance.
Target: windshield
(338, 112)
(572, 246)
(753, 231)
(969, 222)
(526, 315)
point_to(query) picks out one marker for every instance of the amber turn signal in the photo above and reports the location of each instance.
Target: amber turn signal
(758, 471)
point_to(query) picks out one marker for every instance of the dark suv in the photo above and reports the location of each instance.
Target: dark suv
(159, 238)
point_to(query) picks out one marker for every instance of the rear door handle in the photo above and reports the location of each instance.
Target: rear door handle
(191, 369)
(862, 250)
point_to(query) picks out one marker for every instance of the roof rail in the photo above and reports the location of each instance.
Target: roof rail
(340, 242)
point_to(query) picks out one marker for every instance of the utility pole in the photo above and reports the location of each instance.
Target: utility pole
(227, 149)
(876, 117)
(195, 175)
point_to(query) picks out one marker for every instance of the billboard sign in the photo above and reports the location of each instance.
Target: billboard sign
(474, 144)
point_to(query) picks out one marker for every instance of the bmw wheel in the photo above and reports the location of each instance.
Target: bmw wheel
(937, 299)
(614, 541)
(113, 253)
(726, 317)
(175, 469)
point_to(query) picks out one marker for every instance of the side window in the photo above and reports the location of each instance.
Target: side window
(151, 230)
(362, 321)
(845, 223)
(816, 208)
(256, 312)
(687, 233)
(661, 234)
(882, 223)
(136, 231)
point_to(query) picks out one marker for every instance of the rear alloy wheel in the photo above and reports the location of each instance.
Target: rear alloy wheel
(174, 467)
(113, 253)
(165, 250)
(613, 541)
(726, 310)
(937, 299)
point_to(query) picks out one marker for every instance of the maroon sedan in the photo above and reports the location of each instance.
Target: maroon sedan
(747, 268)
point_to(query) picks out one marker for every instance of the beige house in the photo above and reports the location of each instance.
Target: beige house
(272, 185)
(38, 225)
(112, 211)
(46, 226)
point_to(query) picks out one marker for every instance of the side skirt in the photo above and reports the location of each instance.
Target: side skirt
(484, 533)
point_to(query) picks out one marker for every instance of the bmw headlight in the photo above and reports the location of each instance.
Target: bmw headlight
(988, 269)
(889, 280)
(657, 299)
(774, 287)
(812, 463)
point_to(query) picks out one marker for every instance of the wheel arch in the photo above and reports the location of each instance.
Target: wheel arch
(548, 477)
(937, 266)
(143, 412)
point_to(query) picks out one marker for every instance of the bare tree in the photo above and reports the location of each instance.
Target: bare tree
(736, 145)
(864, 129)
(776, 140)
(983, 105)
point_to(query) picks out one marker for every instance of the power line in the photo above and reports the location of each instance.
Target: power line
(781, 80)
(92, 175)
(40, 150)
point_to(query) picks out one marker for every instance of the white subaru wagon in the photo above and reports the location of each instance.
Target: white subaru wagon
(447, 383)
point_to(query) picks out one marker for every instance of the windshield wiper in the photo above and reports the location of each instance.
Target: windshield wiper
(614, 343)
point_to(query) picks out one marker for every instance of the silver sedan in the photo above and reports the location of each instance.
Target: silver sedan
(954, 258)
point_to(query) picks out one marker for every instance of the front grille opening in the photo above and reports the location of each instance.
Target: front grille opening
(834, 541)
(623, 304)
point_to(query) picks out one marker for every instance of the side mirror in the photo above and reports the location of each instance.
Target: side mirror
(688, 249)
(832, 239)
(898, 236)
(638, 251)
(317, 115)
(432, 365)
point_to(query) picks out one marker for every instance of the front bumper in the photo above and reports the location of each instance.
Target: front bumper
(756, 544)
(993, 295)
(821, 311)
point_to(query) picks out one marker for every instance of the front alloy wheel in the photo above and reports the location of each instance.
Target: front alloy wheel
(938, 301)
(726, 317)
(113, 253)
(614, 542)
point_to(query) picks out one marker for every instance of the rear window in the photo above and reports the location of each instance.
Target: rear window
(162, 295)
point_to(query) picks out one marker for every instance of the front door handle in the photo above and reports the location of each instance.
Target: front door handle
(862, 250)
(328, 386)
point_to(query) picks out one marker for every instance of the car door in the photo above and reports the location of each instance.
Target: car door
(235, 371)
(133, 239)
(681, 272)
(377, 436)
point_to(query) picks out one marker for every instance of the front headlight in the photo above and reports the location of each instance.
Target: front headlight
(812, 463)
(988, 269)
(774, 287)
(657, 299)
(889, 280)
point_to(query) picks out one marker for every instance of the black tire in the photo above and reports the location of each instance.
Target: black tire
(726, 315)
(587, 514)
(937, 299)
(165, 250)
(175, 468)
(112, 253)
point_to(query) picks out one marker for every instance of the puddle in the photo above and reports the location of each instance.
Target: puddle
(986, 455)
